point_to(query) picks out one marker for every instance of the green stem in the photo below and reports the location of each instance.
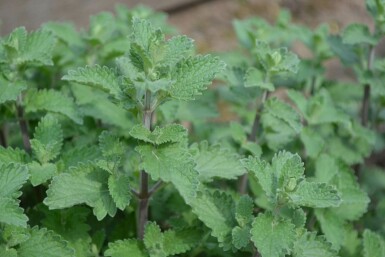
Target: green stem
(253, 138)
(366, 97)
(23, 124)
(144, 193)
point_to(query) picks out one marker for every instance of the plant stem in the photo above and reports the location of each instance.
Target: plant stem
(23, 124)
(144, 194)
(253, 138)
(3, 137)
(366, 97)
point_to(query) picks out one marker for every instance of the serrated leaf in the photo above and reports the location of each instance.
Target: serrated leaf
(241, 237)
(84, 184)
(10, 155)
(255, 78)
(112, 150)
(313, 142)
(358, 34)
(7, 252)
(326, 168)
(374, 244)
(65, 32)
(216, 211)
(52, 101)
(14, 235)
(283, 174)
(176, 48)
(244, 210)
(171, 163)
(126, 248)
(44, 243)
(215, 162)
(142, 32)
(119, 187)
(48, 139)
(168, 243)
(96, 76)
(311, 245)
(80, 154)
(192, 75)
(172, 133)
(280, 122)
(12, 177)
(34, 48)
(273, 237)
(315, 195)
(9, 91)
(332, 226)
(11, 213)
(40, 173)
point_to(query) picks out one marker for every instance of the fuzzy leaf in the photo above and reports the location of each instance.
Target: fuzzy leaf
(119, 187)
(272, 237)
(326, 168)
(216, 211)
(255, 78)
(374, 244)
(176, 48)
(332, 226)
(52, 101)
(11, 212)
(171, 133)
(112, 150)
(44, 243)
(244, 210)
(84, 184)
(313, 142)
(10, 155)
(9, 91)
(40, 173)
(48, 139)
(215, 162)
(171, 163)
(193, 75)
(168, 243)
(240, 237)
(315, 195)
(12, 177)
(34, 48)
(96, 76)
(358, 34)
(311, 245)
(126, 248)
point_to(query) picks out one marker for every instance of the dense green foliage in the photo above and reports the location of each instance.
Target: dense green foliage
(112, 143)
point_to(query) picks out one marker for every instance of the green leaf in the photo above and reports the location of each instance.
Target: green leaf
(142, 33)
(255, 78)
(192, 75)
(9, 91)
(44, 243)
(280, 122)
(315, 195)
(334, 228)
(11, 212)
(52, 101)
(96, 76)
(172, 133)
(34, 48)
(10, 155)
(112, 150)
(215, 162)
(40, 173)
(119, 187)
(326, 168)
(126, 248)
(14, 235)
(244, 210)
(358, 34)
(7, 252)
(313, 142)
(48, 139)
(241, 237)
(176, 48)
(374, 244)
(168, 243)
(273, 237)
(12, 177)
(83, 184)
(311, 245)
(285, 172)
(216, 211)
(65, 32)
(171, 163)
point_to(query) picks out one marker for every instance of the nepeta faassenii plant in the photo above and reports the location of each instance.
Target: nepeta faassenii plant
(107, 169)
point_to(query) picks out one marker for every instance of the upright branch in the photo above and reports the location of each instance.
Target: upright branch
(366, 97)
(253, 137)
(144, 194)
(23, 124)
